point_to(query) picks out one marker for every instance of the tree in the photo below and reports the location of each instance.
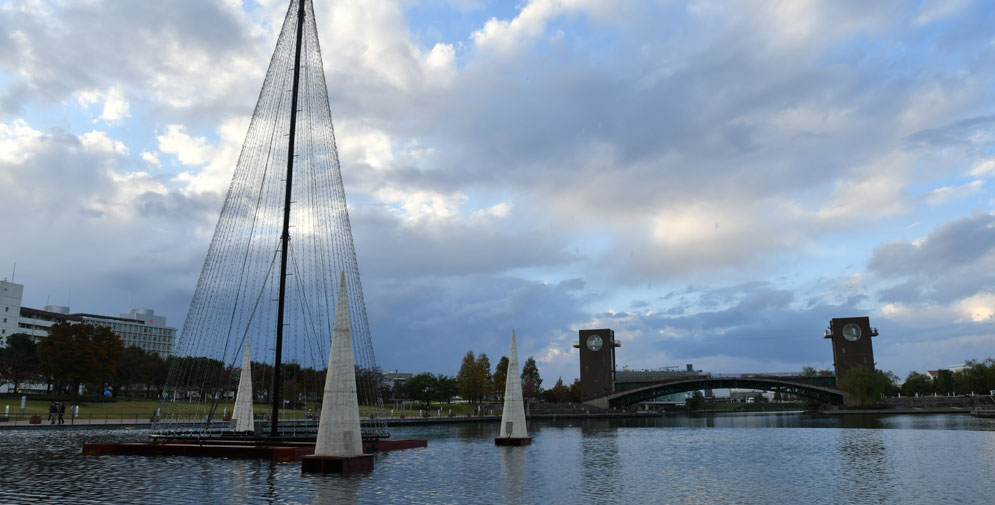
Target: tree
(808, 371)
(575, 391)
(447, 388)
(531, 382)
(917, 383)
(695, 401)
(79, 353)
(500, 376)
(422, 388)
(559, 393)
(945, 382)
(465, 377)
(135, 366)
(864, 386)
(483, 380)
(19, 360)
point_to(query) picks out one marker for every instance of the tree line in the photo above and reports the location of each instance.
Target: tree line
(476, 383)
(94, 357)
(867, 387)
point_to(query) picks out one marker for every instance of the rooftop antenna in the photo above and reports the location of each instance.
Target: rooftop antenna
(12, 272)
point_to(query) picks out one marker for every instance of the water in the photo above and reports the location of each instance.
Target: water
(767, 458)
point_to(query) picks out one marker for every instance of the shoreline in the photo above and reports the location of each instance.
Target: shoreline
(142, 424)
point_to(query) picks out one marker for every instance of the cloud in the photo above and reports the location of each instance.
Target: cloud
(17, 141)
(953, 262)
(984, 168)
(943, 194)
(188, 150)
(151, 159)
(115, 106)
(98, 141)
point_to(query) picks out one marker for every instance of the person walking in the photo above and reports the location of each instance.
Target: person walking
(52, 410)
(62, 412)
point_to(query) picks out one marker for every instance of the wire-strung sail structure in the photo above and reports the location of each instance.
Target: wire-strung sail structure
(284, 218)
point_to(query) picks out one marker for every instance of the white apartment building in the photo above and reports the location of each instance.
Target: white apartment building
(10, 309)
(139, 327)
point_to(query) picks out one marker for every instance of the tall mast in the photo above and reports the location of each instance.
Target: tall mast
(285, 238)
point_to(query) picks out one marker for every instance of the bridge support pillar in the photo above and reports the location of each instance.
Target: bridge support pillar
(601, 403)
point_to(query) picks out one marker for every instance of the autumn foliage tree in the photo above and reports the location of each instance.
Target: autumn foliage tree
(74, 354)
(531, 382)
(19, 360)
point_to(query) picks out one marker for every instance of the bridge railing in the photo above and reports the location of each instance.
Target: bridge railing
(654, 376)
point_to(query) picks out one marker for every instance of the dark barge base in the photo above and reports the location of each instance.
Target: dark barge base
(236, 449)
(514, 442)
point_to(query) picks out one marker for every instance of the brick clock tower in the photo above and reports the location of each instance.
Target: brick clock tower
(597, 362)
(852, 346)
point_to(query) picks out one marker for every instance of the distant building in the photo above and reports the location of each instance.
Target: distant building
(37, 323)
(933, 374)
(10, 309)
(396, 380)
(139, 327)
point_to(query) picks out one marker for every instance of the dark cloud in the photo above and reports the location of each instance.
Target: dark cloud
(954, 261)
(433, 322)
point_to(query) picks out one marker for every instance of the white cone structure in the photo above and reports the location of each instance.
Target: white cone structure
(513, 414)
(338, 427)
(241, 416)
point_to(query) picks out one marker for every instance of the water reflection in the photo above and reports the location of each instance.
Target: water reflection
(335, 488)
(513, 470)
(865, 469)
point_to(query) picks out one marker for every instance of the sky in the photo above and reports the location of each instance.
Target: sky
(713, 180)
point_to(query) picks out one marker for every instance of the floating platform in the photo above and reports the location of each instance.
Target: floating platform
(336, 464)
(513, 442)
(282, 451)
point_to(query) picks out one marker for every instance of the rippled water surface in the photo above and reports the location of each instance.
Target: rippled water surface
(769, 458)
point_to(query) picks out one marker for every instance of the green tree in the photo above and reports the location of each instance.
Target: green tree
(695, 401)
(466, 377)
(19, 360)
(945, 382)
(917, 383)
(978, 377)
(483, 379)
(422, 388)
(447, 388)
(500, 376)
(865, 387)
(79, 353)
(808, 371)
(531, 382)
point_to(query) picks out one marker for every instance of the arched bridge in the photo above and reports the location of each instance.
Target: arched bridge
(629, 390)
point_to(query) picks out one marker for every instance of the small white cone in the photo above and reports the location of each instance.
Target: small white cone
(241, 416)
(339, 432)
(513, 414)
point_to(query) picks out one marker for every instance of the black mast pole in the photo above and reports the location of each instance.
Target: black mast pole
(285, 238)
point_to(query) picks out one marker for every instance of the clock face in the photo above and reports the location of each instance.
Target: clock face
(594, 342)
(851, 332)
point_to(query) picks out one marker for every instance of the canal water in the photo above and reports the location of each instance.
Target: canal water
(761, 458)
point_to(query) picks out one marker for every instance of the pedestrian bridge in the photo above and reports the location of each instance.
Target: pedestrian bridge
(639, 386)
